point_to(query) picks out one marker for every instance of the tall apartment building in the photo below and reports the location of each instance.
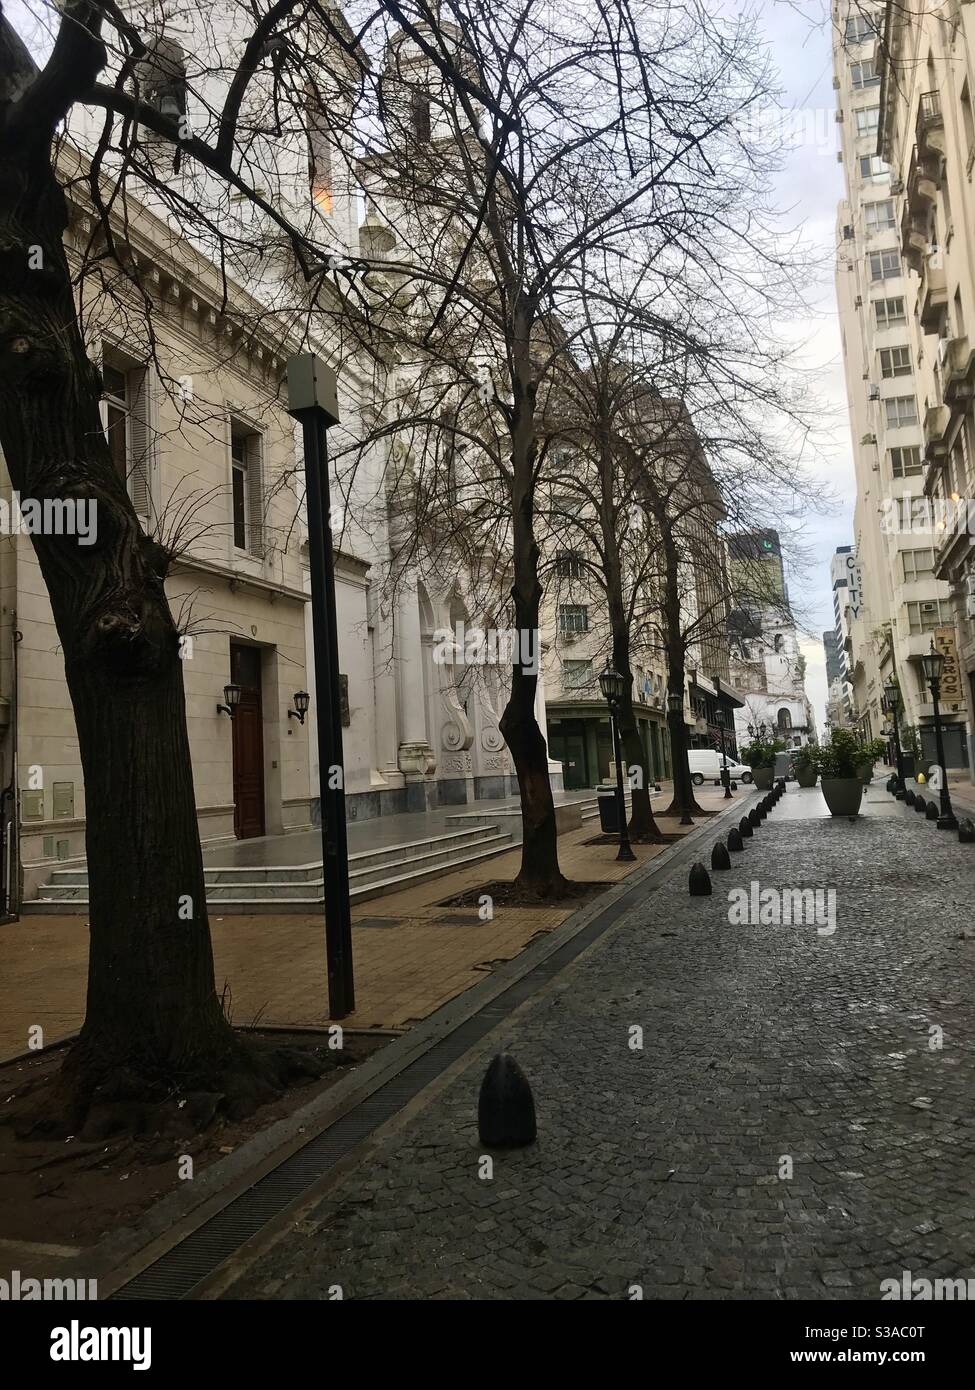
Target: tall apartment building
(893, 302)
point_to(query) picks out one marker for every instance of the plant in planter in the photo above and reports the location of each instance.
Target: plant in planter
(870, 752)
(838, 764)
(760, 757)
(804, 765)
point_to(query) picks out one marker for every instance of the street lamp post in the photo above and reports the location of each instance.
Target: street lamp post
(611, 684)
(932, 663)
(892, 692)
(312, 402)
(722, 718)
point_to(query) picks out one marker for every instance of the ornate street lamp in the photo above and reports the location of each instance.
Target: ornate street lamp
(302, 700)
(231, 695)
(611, 683)
(931, 664)
(892, 696)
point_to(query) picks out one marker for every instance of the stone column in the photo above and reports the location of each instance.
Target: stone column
(415, 757)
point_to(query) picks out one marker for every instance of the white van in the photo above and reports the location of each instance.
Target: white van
(706, 764)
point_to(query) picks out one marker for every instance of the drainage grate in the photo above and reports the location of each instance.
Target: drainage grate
(176, 1274)
(378, 922)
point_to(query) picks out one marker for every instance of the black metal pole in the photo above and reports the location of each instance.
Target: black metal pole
(899, 779)
(946, 821)
(625, 852)
(331, 768)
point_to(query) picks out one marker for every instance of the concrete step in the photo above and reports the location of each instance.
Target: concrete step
(300, 888)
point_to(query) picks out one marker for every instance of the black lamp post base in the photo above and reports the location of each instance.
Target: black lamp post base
(625, 855)
(948, 822)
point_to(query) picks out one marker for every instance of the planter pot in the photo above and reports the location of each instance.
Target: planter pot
(762, 777)
(842, 795)
(806, 776)
(865, 772)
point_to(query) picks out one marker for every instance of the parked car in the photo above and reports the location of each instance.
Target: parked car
(706, 764)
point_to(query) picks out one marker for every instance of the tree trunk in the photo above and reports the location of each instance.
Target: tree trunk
(153, 1021)
(540, 875)
(642, 826)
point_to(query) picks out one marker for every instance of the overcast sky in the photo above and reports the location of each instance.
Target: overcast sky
(810, 186)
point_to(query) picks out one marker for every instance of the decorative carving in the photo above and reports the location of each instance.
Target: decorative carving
(417, 759)
(491, 739)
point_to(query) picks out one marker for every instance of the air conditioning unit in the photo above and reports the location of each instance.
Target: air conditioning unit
(874, 393)
(839, 116)
(858, 302)
(896, 186)
(929, 608)
(868, 439)
(847, 233)
(836, 84)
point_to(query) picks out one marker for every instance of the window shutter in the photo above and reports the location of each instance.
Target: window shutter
(140, 441)
(255, 496)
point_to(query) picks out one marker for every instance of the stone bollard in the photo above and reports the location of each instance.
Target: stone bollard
(745, 827)
(505, 1107)
(720, 858)
(735, 842)
(966, 832)
(932, 812)
(910, 798)
(755, 816)
(892, 785)
(699, 882)
(920, 805)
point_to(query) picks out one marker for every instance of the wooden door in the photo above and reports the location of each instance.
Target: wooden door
(248, 738)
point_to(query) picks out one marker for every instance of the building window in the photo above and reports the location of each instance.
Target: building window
(127, 429)
(879, 216)
(860, 28)
(864, 74)
(784, 720)
(573, 619)
(873, 167)
(901, 411)
(246, 488)
(884, 265)
(925, 617)
(578, 674)
(968, 118)
(889, 312)
(320, 169)
(867, 120)
(895, 361)
(569, 564)
(905, 462)
(917, 563)
(421, 118)
(913, 513)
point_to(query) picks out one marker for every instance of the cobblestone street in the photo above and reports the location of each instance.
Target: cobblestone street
(764, 1047)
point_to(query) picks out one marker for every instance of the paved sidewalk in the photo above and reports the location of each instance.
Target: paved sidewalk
(789, 1129)
(409, 957)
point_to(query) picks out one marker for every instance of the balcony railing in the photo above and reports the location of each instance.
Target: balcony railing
(929, 107)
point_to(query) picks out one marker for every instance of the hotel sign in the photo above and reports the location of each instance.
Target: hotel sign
(951, 687)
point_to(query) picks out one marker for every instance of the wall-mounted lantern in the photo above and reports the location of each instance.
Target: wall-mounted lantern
(302, 700)
(231, 695)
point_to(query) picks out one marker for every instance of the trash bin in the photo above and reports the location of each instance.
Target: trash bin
(609, 822)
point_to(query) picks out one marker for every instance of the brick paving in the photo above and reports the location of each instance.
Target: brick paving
(666, 1168)
(273, 968)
